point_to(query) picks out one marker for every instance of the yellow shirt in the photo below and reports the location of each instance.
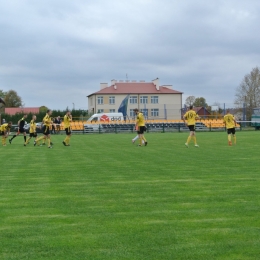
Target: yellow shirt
(5, 128)
(47, 120)
(32, 127)
(140, 119)
(229, 121)
(66, 121)
(191, 117)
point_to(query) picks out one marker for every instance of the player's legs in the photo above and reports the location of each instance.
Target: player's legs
(191, 127)
(29, 138)
(48, 137)
(234, 135)
(10, 140)
(189, 138)
(229, 132)
(195, 139)
(24, 137)
(134, 139)
(3, 140)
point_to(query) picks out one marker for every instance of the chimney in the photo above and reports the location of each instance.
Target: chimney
(156, 83)
(113, 82)
(103, 85)
(115, 86)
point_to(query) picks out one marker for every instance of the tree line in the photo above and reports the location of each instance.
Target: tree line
(247, 95)
(12, 99)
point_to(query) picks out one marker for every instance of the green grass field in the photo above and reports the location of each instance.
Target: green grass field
(105, 198)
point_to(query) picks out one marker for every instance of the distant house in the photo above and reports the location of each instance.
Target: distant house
(202, 111)
(153, 100)
(21, 110)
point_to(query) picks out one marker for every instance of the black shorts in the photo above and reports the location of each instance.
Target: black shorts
(2, 133)
(191, 127)
(33, 134)
(68, 131)
(46, 130)
(141, 130)
(231, 131)
(21, 130)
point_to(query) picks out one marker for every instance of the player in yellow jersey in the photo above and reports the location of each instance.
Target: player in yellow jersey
(66, 121)
(140, 126)
(191, 117)
(230, 123)
(5, 131)
(47, 122)
(32, 130)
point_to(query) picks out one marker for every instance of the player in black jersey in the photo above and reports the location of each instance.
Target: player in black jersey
(21, 124)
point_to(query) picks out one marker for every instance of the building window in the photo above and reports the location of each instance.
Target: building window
(112, 110)
(100, 111)
(154, 112)
(132, 113)
(133, 99)
(111, 100)
(154, 99)
(145, 112)
(144, 99)
(100, 100)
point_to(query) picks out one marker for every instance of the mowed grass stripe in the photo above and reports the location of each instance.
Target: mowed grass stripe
(104, 198)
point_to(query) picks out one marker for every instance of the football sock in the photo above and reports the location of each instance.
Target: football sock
(28, 140)
(229, 138)
(140, 141)
(3, 140)
(195, 139)
(235, 139)
(188, 140)
(136, 138)
(24, 139)
(40, 138)
(13, 137)
(49, 141)
(144, 138)
(66, 140)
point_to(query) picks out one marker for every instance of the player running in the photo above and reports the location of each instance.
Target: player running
(21, 129)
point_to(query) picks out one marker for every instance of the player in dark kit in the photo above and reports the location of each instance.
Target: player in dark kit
(21, 124)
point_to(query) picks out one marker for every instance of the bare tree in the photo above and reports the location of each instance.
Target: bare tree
(189, 101)
(248, 92)
(12, 99)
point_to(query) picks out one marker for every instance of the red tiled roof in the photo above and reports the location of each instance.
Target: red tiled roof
(24, 110)
(135, 88)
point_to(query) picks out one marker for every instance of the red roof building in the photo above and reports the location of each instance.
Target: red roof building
(21, 110)
(154, 100)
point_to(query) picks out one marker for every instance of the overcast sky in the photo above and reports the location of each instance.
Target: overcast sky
(56, 52)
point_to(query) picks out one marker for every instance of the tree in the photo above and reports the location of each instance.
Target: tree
(248, 92)
(2, 94)
(12, 99)
(189, 101)
(200, 102)
(43, 109)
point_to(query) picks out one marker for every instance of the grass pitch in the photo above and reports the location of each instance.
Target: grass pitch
(105, 198)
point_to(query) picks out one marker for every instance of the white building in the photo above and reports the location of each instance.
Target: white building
(155, 101)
